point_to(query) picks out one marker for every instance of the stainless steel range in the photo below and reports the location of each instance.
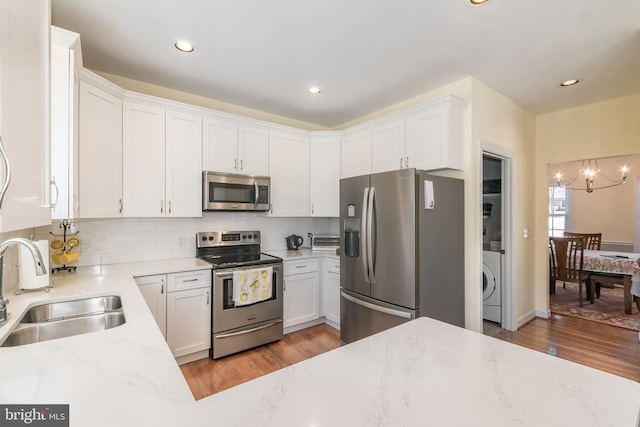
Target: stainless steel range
(247, 291)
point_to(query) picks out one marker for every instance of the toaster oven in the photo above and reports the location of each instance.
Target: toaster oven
(329, 243)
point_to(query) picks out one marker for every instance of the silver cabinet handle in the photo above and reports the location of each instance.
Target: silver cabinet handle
(53, 182)
(400, 162)
(311, 208)
(161, 206)
(169, 206)
(207, 297)
(120, 201)
(7, 178)
(406, 163)
(235, 164)
(190, 280)
(162, 286)
(241, 164)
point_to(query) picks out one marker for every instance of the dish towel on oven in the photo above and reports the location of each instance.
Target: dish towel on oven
(251, 286)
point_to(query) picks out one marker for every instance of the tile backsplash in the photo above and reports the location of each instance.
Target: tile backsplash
(117, 240)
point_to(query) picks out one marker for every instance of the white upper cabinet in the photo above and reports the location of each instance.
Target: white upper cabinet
(100, 150)
(219, 145)
(289, 166)
(162, 158)
(143, 160)
(434, 135)
(229, 146)
(355, 156)
(387, 146)
(324, 174)
(66, 61)
(183, 161)
(24, 114)
(253, 150)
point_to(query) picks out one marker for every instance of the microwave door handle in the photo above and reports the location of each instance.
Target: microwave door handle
(363, 226)
(370, 230)
(255, 184)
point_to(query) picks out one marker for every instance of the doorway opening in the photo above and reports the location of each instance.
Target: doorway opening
(498, 294)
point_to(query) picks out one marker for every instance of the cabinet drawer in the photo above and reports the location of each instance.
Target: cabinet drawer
(188, 280)
(300, 266)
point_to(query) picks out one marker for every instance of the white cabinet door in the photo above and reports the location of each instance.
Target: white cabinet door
(24, 113)
(332, 291)
(387, 146)
(301, 302)
(253, 151)
(219, 145)
(189, 321)
(289, 166)
(64, 90)
(154, 292)
(324, 175)
(100, 153)
(435, 135)
(183, 179)
(143, 142)
(355, 155)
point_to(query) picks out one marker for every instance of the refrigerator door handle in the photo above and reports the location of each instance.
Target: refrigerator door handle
(370, 207)
(385, 310)
(365, 266)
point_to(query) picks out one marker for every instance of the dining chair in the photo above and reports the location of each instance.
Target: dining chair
(593, 241)
(566, 257)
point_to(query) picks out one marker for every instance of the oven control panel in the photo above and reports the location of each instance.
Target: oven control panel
(209, 239)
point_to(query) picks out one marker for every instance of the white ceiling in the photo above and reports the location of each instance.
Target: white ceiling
(364, 54)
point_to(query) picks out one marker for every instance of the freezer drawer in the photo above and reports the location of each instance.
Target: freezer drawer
(361, 316)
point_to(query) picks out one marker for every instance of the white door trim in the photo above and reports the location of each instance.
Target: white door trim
(509, 184)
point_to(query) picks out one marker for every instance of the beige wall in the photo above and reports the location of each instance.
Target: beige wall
(603, 129)
(498, 122)
(608, 211)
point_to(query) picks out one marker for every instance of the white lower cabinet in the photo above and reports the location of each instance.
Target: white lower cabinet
(301, 291)
(154, 292)
(331, 291)
(181, 305)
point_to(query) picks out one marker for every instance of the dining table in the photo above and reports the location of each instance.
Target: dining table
(624, 266)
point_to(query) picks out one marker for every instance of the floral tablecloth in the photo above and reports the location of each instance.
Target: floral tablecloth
(617, 263)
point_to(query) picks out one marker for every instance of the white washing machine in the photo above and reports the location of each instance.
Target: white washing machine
(491, 286)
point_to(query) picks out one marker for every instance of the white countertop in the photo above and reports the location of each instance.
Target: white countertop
(302, 253)
(421, 373)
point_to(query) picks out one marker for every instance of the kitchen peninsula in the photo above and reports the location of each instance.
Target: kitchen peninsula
(424, 372)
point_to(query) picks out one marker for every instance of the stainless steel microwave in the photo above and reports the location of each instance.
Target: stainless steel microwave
(232, 192)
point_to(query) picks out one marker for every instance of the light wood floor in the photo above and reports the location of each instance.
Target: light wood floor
(600, 346)
(207, 376)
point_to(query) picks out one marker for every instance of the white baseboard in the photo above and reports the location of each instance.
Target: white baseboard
(617, 246)
(527, 318)
(204, 354)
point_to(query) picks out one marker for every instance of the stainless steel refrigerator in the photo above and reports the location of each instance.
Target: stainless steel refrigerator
(402, 240)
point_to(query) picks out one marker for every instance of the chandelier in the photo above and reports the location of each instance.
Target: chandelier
(589, 171)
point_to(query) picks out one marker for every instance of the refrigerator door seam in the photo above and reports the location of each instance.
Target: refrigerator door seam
(374, 307)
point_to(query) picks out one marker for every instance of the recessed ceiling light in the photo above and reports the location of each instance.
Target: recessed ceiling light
(570, 82)
(478, 1)
(184, 46)
(313, 90)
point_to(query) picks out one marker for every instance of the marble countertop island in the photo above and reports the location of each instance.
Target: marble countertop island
(424, 372)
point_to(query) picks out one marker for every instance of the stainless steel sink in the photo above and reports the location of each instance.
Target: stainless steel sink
(67, 318)
(72, 308)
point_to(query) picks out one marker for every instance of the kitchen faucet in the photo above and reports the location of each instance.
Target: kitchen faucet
(37, 258)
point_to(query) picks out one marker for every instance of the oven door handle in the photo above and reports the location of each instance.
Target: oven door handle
(224, 275)
(248, 331)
